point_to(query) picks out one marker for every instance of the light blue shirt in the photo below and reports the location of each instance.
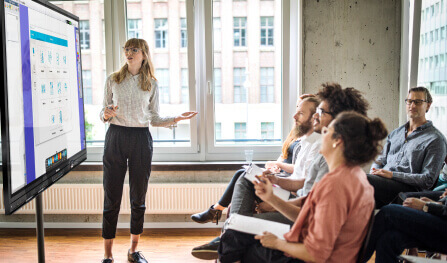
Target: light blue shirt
(415, 160)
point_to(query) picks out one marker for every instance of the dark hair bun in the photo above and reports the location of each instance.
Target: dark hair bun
(377, 129)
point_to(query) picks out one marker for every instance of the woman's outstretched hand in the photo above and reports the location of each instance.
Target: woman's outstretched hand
(186, 116)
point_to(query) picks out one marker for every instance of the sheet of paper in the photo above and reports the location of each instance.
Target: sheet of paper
(254, 170)
(257, 226)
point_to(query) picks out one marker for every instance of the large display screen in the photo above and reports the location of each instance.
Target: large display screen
(42, 109)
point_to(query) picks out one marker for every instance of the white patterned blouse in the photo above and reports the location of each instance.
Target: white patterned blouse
(136, 107)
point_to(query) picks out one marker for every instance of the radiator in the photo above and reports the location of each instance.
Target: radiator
(160, 199)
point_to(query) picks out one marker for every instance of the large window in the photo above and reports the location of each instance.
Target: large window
(434, 75)
(239, 31)
(161, 32)
(134, 28)
(229, 76)
(267, 31)
(84, 30)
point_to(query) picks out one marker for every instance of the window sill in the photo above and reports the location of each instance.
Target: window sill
(177, 166)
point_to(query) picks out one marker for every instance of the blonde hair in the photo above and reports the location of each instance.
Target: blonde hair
(146, 70)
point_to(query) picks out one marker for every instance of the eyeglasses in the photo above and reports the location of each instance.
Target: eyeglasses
(416, 102)
(133, 50)
(320, 112)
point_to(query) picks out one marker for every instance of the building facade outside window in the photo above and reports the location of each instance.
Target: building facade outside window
(239, 31)
(267, 130)
(217, 85)
(240, 130)
(432, 72)
(267, 31)
(218, 130)
(134, 28)
(267, 85)
(240, 93)
(162, 76)
(183, 33)
(184, 88)
(84, 30)
(217, 34)
(161, 32)
(87, 84)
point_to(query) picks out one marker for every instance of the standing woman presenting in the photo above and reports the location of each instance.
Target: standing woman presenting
(130, 104)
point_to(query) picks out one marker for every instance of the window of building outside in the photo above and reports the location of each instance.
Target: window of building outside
(217, 85)
(240, 92)
(267, 31)
(134, 27)
(161, 32)
(434, 75)
(217, 34)
(84, 30)
(240, 130)
(267, 85)
(183, 33)
(239, 31)
(185, 88)
(267, 130)
(163, 84)
(87, 85)
(218, 130)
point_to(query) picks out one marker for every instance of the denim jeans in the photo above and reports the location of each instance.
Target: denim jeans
(397, 228)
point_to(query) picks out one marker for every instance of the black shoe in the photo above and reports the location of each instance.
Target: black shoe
(207, 251)
(107, 260)
(210, 215)
(136, 257)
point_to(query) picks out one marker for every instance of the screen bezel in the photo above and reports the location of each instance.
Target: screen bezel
(14, 201)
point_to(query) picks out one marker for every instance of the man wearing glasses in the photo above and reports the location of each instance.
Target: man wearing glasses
(413, 154)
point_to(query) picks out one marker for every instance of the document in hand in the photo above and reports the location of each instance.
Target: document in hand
(252, 170)
(256, 226)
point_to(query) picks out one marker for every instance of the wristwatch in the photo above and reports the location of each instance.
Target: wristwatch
(425, 208)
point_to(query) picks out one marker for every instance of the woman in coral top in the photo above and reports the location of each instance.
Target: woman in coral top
(332, 223)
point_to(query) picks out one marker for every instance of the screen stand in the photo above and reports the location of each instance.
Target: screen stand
(39, 229)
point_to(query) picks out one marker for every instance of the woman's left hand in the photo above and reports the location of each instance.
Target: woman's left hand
(186, 116)
(268, 240)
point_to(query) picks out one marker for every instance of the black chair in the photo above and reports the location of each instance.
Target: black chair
(362, 252)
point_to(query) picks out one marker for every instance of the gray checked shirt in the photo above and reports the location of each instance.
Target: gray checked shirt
(136, 107)
(415, 160)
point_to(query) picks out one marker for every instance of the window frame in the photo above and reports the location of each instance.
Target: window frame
(164, 33)
(200, 71)
(83, 32)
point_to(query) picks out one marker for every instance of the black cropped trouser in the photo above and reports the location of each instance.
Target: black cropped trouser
(126, 147)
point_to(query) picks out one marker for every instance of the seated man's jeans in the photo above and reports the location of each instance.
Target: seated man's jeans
(397, 228)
